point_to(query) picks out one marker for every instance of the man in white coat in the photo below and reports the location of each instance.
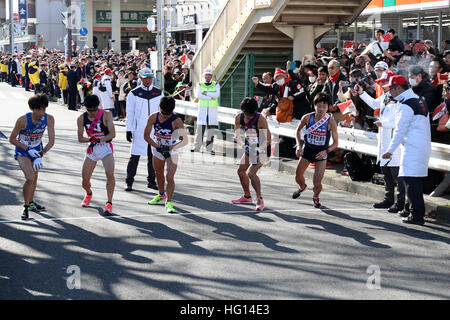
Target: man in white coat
(105, 91)
(141, 103)
(386, 125)
(208, 93)
(412, 132)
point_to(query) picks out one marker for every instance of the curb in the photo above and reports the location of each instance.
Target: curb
(436, 208)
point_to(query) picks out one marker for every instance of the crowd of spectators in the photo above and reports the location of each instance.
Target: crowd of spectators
(338, 73)
(108, 74)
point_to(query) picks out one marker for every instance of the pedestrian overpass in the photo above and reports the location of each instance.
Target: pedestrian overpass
(251, 36)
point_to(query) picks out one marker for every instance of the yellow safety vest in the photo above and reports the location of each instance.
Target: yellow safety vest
(213, 103)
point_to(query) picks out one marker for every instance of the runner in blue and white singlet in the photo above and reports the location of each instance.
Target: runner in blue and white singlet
(319, 127)
(163, 135)
(26, 136)
(31, 136)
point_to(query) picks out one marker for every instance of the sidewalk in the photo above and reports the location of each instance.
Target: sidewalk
(435, 207)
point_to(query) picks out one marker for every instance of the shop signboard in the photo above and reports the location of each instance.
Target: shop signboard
(126, 17)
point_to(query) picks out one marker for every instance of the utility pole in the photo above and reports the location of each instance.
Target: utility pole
(69, 31)
(11, 26)
(159, 43)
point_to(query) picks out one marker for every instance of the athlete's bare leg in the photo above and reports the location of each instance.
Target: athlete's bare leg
(159, 165)
(108, 164)
(243, 176)
(170, 177)
(300, 172)
(319, 171)
(86, 174)
(256, 183)
(30, 179)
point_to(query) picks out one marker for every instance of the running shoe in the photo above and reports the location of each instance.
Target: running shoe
(316, 202)
(170, 208)
(25, 215)
(259, 204)
(157, 199)
(243, 200)
(86, 201)
(107, 209)
(312, 165)
(297, 193)
(35, 207)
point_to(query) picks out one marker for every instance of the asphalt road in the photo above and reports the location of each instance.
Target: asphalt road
(211, 249)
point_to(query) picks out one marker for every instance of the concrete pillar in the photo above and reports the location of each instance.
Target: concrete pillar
(115, 25)
(303, 41)
(355, 34)
(439, 39)
(418, 26)
(90, 16)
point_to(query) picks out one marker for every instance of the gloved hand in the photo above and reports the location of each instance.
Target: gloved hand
(91, 148)
(94, 140)
(129, 136)
(33, 153)
(164, 150)
(37, 164)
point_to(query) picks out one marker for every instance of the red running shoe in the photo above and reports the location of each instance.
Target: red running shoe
(243, 200)
(86, 201)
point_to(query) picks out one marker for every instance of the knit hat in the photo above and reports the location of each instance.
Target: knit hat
(279, 72)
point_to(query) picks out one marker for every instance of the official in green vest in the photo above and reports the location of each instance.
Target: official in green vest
(208, 93)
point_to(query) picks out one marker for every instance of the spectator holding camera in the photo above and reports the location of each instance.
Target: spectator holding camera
(422, 86)
(386, 126)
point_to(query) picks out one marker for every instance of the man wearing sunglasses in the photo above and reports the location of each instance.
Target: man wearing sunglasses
(100, 130)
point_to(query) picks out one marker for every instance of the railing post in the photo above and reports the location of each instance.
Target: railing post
(246, 75)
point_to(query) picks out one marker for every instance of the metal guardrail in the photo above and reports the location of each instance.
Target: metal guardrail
(349, 139)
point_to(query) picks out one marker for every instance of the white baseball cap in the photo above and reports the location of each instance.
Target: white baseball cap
(146, 72)
(208, 71)
(381, 64)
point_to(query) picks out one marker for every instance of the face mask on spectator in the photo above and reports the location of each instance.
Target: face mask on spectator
(280, 82)
(312, 79)
(413, 82)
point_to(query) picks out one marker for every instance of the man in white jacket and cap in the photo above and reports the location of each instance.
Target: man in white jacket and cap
(387, 107)
(141, 103)
(412, 134)
(105, 91)
(208, 93)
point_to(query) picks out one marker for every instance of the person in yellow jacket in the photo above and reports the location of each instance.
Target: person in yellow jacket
(208, 93)
(33, 73)
(22, 71)
(4, 69)
(62, 84)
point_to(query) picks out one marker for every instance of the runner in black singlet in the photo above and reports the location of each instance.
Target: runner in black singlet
(100, 147)
(257, 150)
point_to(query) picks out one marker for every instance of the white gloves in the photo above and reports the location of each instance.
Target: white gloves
(37, 164)
(34, 153)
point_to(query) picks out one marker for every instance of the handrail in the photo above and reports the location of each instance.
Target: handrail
(232, 72)
(349, 139)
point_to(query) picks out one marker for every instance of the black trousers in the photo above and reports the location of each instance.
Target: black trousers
(390, 179)
(414, 191)
(27, 83)
(133, 164)
(72, 97)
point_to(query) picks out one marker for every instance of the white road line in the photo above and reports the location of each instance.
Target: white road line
(186, 213)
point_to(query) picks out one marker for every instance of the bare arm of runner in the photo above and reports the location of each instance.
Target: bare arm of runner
(148, 129)
(80, 131)
(108, 121)
(298, 134)
(178, 126)
(51, 134)
(21, 124)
